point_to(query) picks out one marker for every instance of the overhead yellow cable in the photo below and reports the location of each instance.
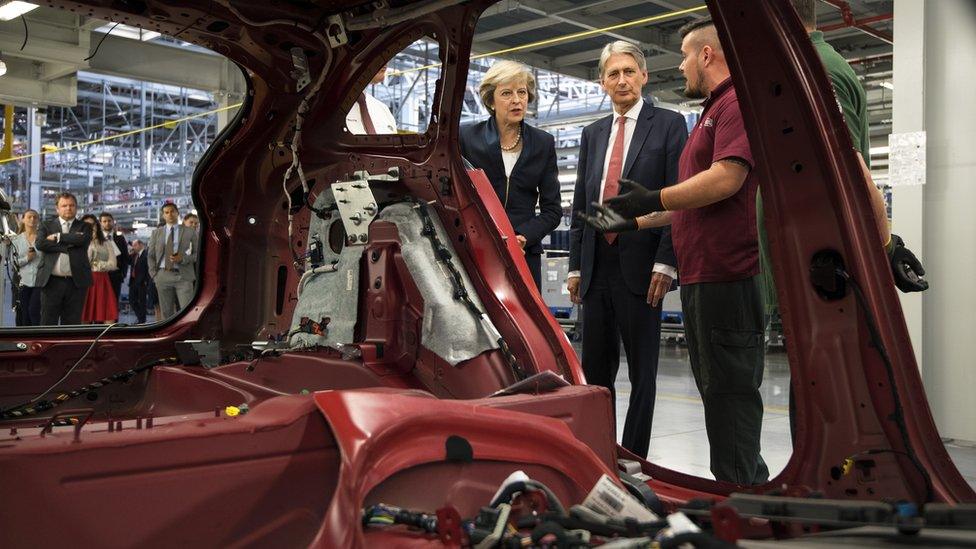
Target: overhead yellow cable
(167, 124)
(574, 36)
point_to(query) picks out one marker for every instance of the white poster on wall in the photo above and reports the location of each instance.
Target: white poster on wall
(906, 159)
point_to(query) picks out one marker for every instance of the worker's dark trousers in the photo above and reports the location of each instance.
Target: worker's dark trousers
(724, 330)
(612, 312)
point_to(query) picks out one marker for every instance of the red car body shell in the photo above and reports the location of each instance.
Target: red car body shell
(297, 469)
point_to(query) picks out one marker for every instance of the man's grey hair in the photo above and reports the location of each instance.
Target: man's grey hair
(622, 46)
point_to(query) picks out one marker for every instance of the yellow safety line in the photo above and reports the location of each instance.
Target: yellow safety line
(123, 134)
(558, 39)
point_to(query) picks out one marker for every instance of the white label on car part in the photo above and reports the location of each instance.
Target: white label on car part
(611, 500)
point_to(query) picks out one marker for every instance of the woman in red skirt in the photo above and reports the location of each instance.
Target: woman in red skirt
(101, 305)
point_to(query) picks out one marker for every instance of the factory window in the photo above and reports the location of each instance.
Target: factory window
(124, 147)
(398, 94)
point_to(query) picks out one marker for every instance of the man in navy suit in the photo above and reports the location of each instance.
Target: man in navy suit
(621, 279)
(139, 281)
(518, 159)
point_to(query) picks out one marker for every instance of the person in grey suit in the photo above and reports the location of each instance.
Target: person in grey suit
(172, 262)
(65, 272)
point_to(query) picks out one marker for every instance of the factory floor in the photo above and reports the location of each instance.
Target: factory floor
(678, 439)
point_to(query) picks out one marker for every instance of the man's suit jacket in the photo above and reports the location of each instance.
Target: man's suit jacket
(74, 243)
(140, 271)
(534, 178)
(188, 249)
(652, 161)
(122, 260)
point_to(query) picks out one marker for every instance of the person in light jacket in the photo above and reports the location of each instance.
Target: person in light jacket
(27, 260)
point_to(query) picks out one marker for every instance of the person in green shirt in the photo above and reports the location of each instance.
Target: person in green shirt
(852, 101)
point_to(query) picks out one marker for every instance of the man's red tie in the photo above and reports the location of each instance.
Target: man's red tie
(364, 113)
(612, 186)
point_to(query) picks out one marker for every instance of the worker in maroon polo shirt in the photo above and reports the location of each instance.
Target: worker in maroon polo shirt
(712, 212)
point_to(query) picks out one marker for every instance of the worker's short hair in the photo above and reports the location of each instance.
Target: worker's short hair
(500, 73)
(622, 46)
(106, 214)
(701, 24)
(692, 26)
(190, 215)
(167, 205)
(67, 196)
(807, 10)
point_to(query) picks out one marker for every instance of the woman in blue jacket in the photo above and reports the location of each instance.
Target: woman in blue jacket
(519, 160)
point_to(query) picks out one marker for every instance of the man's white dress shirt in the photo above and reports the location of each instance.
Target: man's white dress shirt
(379, 113)
(62, 267)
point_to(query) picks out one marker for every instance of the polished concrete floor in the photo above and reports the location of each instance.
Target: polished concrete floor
(678, 439)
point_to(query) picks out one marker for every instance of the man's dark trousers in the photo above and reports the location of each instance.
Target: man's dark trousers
(122, 262)
(137, 300)
(61, 298)
(612, 312)
(724, 325)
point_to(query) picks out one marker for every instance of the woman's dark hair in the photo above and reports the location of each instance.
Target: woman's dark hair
(96, 227)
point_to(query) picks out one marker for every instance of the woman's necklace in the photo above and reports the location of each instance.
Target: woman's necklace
(518, 139)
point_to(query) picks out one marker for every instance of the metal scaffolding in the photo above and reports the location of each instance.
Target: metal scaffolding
(126, 172)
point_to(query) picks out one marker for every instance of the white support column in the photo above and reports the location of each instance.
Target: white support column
(936, 221)
(225, 116)
(34, 163)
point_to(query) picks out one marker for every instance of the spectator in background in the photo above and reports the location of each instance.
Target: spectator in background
(101, 304)
(121, 260)
(27, 261)
(172, 262)
(370, 116)
(139, 281)
(519, 160)
(65, 273)
(192, 221)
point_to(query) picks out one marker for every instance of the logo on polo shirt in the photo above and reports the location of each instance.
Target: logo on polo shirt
(708, 122)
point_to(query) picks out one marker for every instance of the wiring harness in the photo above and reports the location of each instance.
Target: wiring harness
(443, 255)
(37, 406)
(526, 513)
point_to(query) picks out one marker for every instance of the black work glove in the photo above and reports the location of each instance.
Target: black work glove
(608, 221)
(636, 201)
(906, 268)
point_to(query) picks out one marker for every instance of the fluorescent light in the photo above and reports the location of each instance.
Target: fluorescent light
(567, 177)
(128, 31)
(3, 67)
(874, 151)
(13, 10)
(887, 85)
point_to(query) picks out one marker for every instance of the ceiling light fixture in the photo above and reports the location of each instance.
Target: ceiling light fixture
(887, 85)
(12, 10)
(3, 66)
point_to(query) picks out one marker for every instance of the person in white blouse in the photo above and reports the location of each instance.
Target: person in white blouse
(101, 304)
(27, 259)
(370, 116)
